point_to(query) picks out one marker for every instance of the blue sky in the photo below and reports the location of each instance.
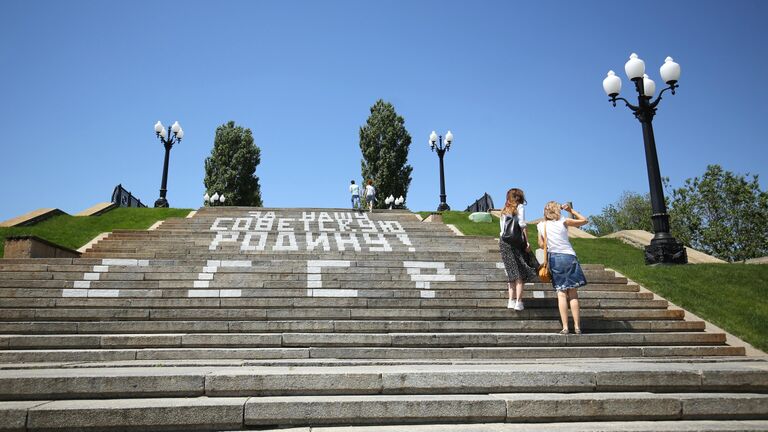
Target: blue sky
(518, 83)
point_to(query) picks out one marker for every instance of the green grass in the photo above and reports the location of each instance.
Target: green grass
(73, 232)
(462, 222)
(731, 296)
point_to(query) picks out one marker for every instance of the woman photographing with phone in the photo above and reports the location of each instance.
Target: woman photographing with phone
(564, 267)
(512, 252)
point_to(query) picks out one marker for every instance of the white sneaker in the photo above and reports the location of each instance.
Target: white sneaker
(511, 304)
(519, 306)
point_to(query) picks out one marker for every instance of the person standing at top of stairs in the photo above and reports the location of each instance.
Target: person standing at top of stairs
(370, 195)
(518, 270)
(355, 191)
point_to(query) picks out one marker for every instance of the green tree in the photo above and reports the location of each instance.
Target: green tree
(231, 167)
(384, 143)
(631, 212)
(722, 214)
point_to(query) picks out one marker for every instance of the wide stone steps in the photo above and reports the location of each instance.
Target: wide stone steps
(236, 319)
(343, 326)
(360, 303)
(339, 339)
(310, 313)
(533, 291)
(476, 353)
(227, 413)
(108, 381)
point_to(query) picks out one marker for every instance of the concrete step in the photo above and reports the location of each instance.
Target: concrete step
(236, 413)
(510, 407)
(309, 313)
(628, 426)
(482, 353)
(461, 260)
(535, 291)
(225, 274)
(106, 381)
(346, 326)
(319, 302)
(126, 280)
(424, 339)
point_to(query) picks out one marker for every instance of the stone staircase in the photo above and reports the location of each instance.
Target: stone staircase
(244, 318)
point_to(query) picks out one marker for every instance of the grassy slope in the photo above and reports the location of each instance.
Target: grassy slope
(73, 232)
(731, 296)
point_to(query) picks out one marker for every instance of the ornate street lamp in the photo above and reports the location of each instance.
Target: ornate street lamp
(389, 201)
(173, 136)
(664, 248)
(214, 200)
(436, 144)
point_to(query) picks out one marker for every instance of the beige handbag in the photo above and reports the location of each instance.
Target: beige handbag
(544, 273)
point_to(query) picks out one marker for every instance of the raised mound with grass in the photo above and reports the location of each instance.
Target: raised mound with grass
(75, 231)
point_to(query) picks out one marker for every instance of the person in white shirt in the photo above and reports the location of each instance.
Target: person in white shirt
(515, 264)
(355, 191)
(566, 271)
(370, 194)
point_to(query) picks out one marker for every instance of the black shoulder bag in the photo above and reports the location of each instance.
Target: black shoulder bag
(513, 233)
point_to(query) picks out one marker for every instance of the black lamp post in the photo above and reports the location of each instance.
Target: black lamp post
(173, 136)
(436, 144)
(664, 248)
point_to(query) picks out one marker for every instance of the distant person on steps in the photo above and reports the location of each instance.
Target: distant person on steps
(370, 194)
(355, 191)
(566, 271)
(518, 270)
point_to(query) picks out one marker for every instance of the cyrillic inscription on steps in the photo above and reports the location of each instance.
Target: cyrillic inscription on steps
(202, 286)
(313, 231)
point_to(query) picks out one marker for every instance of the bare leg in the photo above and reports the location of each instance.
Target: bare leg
(573, 298)
(510, 290)
(562, 305)
(518, 289)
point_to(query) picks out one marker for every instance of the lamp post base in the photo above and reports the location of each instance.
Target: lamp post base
(443, 207)
(161, 203)
(666, 253)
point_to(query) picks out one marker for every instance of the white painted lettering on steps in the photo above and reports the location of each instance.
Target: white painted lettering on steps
(351, 240)
(224, 237)
(381, 240)
(286, 241)
(315, 282)
(201, 287)
(242, 224)
(82, 288)
(349, 231)
(423, 281)
(262, 241)
(322, 238)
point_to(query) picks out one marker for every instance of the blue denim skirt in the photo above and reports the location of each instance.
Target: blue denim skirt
(566, 271)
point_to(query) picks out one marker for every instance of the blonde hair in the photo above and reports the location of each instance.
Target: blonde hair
(515, 197)
(552, 211)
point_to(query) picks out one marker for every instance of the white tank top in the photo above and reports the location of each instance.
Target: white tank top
(557, 236)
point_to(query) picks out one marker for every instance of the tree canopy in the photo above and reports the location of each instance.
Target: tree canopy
(384, 143)
(632, 211)
(231, 167)
(722, 214)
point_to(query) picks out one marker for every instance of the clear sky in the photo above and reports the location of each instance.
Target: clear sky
(518, 83)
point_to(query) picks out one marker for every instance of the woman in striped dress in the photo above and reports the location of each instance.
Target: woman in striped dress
(518, 270)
